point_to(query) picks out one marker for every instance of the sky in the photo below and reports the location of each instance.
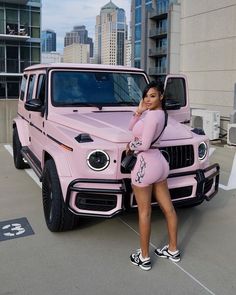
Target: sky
(61, 16)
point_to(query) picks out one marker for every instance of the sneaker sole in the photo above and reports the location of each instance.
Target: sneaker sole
(168, 257)
(145, 268)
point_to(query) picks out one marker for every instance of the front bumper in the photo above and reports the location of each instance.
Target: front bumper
(96, 197)
(205, 187)
(107, 197)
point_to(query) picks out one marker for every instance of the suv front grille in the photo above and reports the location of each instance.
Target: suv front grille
(179, 156)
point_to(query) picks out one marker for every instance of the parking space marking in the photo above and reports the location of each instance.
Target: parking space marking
(15, 228)
(181, 268)
(29, 171)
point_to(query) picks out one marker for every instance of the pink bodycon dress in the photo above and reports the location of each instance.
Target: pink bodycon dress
(151, 166)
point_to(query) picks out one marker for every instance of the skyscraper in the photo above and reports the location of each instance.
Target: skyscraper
(110, 35)
(48, 41)
(79, 34)
(155, 32)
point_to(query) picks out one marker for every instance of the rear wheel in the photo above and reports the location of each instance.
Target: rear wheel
(17, 156)
(57, 216)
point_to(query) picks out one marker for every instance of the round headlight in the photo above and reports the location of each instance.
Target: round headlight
(98, 160)
(202, 150)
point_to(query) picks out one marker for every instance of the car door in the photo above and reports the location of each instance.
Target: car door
(177, 100)
(37, 119)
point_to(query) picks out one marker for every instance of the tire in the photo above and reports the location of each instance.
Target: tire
(17, 156)
(57, 216)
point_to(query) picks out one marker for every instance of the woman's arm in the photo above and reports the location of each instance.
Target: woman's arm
(149, 132)
(134, 119)
(141, 108)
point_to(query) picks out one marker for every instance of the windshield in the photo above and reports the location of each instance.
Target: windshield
(75, 88)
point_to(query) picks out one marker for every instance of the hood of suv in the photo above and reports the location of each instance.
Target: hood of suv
(113, 125)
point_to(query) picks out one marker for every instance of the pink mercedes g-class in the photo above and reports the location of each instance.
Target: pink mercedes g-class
(72, 130)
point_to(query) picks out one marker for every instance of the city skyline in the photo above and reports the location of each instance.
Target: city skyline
(75, 12)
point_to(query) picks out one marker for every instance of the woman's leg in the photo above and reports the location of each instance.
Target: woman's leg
(143, 197)
(163, 198)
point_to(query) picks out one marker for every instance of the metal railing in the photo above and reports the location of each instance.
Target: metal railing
(13, 29)
(157, 32)
(159, 11)
(158, 51)
(157, 71)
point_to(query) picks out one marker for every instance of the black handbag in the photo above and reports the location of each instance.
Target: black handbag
(129, 161)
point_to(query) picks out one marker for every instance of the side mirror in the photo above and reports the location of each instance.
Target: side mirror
(34, 105)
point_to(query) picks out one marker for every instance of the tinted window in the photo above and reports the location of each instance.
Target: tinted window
(175, 92)
(41, 88)
(96, 88)
(23, 87)
(31, 87)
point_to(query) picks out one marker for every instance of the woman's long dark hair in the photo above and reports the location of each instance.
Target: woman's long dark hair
(159, 87)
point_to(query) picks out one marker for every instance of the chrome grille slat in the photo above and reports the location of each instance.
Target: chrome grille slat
(180, 156)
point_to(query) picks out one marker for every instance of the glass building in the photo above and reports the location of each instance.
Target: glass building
(155, 36)
(20, 23)
(49, 41)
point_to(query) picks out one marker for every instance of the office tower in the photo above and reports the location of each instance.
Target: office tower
(19, 42)
(110, 35)
(155, 31)
(48, 41)
(79, 35)
(76, 53)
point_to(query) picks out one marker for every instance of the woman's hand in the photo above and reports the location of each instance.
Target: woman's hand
(128, 150)
(141, 108)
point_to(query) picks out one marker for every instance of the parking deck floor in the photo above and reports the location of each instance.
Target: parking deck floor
(94, 258)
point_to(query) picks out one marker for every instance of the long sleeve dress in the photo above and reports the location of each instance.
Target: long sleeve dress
(151, 166)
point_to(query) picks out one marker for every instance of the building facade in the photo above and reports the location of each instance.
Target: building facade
(19, 42)
(20, 23)
(51, 57)
(76, 53)
(110, 35)
(49, 39)
(79, 35)
(208, 56)
(155, 31)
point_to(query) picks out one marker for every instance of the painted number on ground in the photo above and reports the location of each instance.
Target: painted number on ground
(16, 228)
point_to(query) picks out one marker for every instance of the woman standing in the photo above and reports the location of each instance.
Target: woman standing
(149, 175)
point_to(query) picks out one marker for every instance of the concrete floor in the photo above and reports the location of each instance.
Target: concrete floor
(94, 259)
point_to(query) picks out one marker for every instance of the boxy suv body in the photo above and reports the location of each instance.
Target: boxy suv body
(72, 130)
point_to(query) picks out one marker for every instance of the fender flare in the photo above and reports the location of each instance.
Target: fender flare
(23, 131)
(60, 158)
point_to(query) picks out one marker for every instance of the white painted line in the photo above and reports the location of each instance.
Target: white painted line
(181, 268)
(211, 151)
(8, 147)
(29, 171)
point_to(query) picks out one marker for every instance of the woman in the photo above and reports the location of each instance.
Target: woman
(150, 174)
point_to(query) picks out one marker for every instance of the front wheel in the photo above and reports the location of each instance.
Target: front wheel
(57, 216)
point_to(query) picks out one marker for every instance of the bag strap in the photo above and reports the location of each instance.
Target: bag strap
(165, 124)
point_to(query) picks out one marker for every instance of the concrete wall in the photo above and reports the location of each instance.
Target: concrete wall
(8, 110)
(174, 39)
(208, 53)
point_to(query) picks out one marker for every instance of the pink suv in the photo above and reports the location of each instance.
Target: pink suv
(71, 129)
